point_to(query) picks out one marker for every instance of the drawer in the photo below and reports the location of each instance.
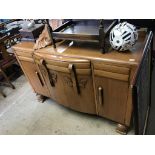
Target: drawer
(111, 68)
(78, 65)
(22, 58)
(63, 61)
(116, 76)
(66, 69)
(111, 71)
(23, 53)
(62, 64)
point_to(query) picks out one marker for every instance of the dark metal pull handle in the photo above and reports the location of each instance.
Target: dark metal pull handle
(74, 77)
(100, 94)
(39, 78)
(42, 62)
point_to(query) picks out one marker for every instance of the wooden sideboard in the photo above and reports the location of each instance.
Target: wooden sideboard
(79, 76)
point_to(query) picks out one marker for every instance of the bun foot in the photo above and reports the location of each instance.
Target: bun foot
(41, 98)
(122, 129)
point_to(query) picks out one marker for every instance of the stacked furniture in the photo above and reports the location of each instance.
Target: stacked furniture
(6, 60)
(79, 76)
(10, 28)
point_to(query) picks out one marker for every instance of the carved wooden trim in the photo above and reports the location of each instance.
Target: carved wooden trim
(53, 77)
(68, 81)
(82, 81)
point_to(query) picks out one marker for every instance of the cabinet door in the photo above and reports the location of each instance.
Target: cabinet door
(111, 90)
(34, 77)
(70, 83)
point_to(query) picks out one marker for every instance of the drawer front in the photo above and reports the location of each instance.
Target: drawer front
(22, 58)
(111, 75)
(63, 61)
(82, 68)
(22, 53)
(111, 68)
(111, 71)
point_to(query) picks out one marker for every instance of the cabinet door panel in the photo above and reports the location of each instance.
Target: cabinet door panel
(83, 101)
(34, 77)
(111, 97)
(64, 92)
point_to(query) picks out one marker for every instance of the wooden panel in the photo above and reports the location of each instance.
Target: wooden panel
(66, 70)
(25, 54)
(65, 64)
(114, 98)
(111, 75)
(25, 59)
(32, 73)
(83, 102)
(111, 68)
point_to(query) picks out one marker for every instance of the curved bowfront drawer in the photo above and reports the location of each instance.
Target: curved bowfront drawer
(62, 64)
(66, 70)
(111, 71)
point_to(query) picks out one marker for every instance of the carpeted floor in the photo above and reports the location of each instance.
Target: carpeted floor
(21, 113)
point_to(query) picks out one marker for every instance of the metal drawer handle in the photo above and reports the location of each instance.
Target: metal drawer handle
(42, 62)
(39, 78)
(72, 70)
(100, 94)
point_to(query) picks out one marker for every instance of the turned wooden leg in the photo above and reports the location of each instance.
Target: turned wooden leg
(122, 129)
(41, 98)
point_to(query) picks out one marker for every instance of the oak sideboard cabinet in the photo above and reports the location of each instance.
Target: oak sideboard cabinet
(79, 76)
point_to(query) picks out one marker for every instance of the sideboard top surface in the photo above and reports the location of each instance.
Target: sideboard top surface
(89, 50)
(24, 46)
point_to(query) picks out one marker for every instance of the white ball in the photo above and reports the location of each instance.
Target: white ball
(123, 36)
